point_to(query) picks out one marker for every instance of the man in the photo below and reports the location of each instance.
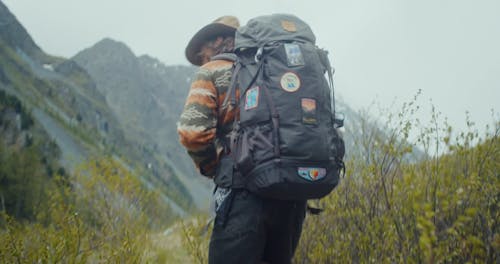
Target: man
(247, 228)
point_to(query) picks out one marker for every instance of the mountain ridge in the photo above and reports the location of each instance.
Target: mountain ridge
(66, 101)
(147, 96)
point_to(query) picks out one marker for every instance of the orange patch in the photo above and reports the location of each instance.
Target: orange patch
(308, 104)
(288, 26)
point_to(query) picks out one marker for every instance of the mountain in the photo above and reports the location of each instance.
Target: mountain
(65, 102)
(147, 97)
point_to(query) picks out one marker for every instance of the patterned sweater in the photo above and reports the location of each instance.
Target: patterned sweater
(203, 122)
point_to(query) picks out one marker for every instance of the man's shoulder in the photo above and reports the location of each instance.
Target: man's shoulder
(218, 71)
(217, 65)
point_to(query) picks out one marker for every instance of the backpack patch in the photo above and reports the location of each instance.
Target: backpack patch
(311, 174)
(290, 82)
(252, 98)
(308, 111)
(294, 55)
(288, 26)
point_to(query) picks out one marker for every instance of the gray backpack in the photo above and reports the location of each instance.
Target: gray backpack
(284, 143)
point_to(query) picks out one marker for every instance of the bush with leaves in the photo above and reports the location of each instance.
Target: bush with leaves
(440, 207)
(102, 215)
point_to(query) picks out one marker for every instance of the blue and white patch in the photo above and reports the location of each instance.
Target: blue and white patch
(252, 98)
(294, 55)
(311, 173)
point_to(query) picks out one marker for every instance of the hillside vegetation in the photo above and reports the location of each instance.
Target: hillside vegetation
(104, 216)
(440, 209)
(28, 160)
(100, 213)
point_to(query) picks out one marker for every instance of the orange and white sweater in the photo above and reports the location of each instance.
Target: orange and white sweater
(203, 123)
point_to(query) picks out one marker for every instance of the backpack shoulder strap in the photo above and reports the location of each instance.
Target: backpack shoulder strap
(230, 98)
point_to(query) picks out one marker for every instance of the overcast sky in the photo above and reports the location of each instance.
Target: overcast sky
(382, 50)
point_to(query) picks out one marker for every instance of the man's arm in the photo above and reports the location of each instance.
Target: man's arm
(197, 124)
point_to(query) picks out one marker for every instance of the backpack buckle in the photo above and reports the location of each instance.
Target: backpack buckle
(258, 54)
(339, 120)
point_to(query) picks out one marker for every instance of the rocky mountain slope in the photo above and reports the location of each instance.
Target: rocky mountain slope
(147, 97)
(64, 99)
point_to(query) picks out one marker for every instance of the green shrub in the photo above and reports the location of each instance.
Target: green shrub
(103, 215)
(196, 237)
(440, 208)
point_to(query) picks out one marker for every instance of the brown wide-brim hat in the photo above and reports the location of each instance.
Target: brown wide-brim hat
(222, 26)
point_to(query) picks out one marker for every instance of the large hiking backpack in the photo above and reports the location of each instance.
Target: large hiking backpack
(284, 143)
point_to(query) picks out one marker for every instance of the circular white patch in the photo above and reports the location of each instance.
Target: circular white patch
(290, 82)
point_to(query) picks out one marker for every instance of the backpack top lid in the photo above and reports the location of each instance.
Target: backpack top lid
(263, 30)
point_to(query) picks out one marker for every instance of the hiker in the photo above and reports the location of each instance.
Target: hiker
(247, 227)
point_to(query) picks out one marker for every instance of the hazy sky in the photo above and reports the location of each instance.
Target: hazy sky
(382, 50)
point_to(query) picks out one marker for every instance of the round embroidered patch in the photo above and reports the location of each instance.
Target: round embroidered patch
(290, 82)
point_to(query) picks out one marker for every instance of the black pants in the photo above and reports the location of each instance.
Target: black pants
(252, 230)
